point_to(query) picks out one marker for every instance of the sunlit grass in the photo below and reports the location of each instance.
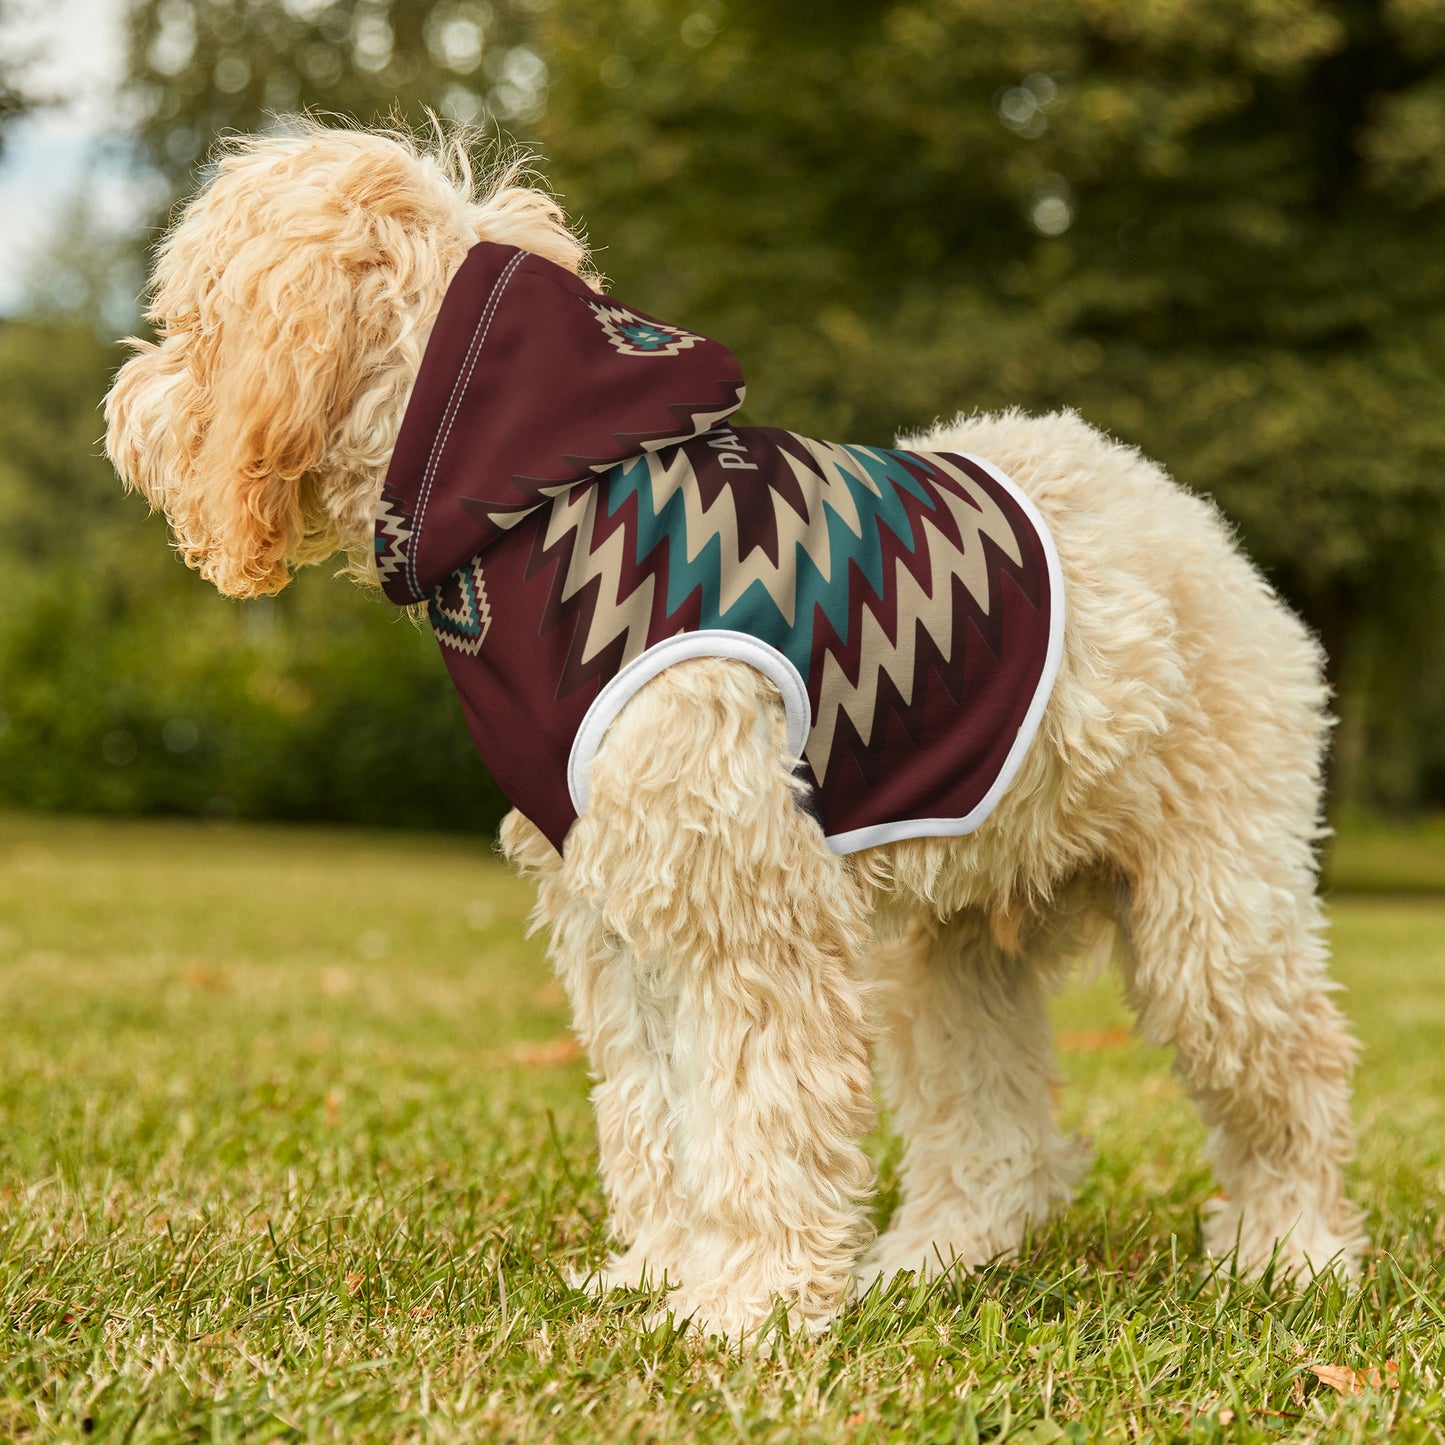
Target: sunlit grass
(1369, 855)
(292, 1146)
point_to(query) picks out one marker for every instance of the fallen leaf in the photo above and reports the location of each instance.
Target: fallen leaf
(354, 1282)
(1090, 1041)
(561, 1050)
(197, 973)
(1347, 1381)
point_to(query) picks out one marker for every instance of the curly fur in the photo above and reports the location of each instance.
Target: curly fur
(292, 301)
(729, 976)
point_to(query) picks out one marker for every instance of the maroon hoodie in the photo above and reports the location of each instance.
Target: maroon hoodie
(568, 498)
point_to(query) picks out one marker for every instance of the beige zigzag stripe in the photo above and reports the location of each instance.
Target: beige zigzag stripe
(672, 474)
(932, 605)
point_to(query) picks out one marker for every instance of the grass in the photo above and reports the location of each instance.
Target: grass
(292, 1146)
(1368, 855)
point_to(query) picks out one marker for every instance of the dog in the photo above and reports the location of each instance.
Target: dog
(733, 977)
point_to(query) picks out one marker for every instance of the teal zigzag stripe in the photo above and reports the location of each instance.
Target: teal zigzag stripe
(755, 611)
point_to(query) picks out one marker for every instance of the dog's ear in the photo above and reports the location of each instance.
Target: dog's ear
(277, 360)
(224, 423)
(290, 302)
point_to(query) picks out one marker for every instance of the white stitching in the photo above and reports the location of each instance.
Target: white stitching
(449, 416)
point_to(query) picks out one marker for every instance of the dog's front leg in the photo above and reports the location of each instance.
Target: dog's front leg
(624, 1024)
(743, 931)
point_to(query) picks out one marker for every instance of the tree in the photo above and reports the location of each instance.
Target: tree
(1216, 227)
(15, 101)
(202, 67)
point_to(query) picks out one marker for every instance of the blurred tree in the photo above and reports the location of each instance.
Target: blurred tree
(1216, 227)
(202, 67)
(14, 99)
(127, 685)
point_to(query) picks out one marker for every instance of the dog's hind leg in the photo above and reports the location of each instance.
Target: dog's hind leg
(966, 1059)
(697, 856)
(1228, 966)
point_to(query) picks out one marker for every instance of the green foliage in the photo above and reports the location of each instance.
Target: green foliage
(318, 705)
(202, 67)
(14, 100)
(1216, 229)
(128, 686)
(1369, 856)
(13, 104)
(280, 1157)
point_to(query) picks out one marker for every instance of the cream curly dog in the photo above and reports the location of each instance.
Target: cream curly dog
(732, 977)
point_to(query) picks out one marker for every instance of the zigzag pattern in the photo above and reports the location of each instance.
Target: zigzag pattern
(846, 558)
(393, 531)
(495, 518)
(458, 609)
(919, 600)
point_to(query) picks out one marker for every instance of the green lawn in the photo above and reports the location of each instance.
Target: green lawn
(1370, 856)
(292, 1146)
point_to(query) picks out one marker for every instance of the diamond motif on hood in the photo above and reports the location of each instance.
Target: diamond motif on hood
(458, 609)
(635, 335)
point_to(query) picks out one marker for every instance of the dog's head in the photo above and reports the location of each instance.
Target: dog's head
(292, 301)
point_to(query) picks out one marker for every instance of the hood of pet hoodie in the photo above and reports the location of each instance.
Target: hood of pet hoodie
(568, 499)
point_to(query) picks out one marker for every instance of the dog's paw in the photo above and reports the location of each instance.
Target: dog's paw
(753, 1324)
(1299, 1245)
(632, 1270)
(965, 1228)
(928, 1254)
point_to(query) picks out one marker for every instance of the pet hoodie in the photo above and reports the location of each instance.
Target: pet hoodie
(570, 501)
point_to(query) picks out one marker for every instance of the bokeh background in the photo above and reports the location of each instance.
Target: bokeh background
(1214, 227)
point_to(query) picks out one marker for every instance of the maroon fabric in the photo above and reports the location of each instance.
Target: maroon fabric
(565, 496)
(516, 398)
